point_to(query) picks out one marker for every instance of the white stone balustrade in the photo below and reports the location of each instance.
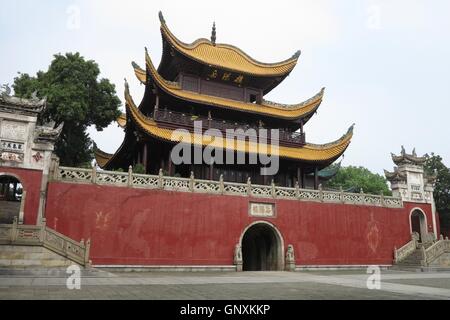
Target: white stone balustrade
(130, 179)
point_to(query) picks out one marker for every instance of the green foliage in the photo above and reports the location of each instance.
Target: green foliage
(76, 97)
(356, 178)
(435, 166)
(139, 168)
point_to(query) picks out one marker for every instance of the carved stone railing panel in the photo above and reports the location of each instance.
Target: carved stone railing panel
(176, 184)
(312, 195)
(331, 196)
(112, 178)
(235, 188)
(219, 187)
(15, 234)
(262, 191)
(372, 200)
(402, 253)
(285, 193)
(76, 174)
(393, 202)
(141, 180)
(353, 198)
(204, 186)
(437, 249)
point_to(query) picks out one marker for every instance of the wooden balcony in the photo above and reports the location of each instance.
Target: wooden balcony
(181, 120)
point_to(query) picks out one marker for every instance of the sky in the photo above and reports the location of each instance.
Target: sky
(385, 63)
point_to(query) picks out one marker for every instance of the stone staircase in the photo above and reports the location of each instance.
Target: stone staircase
(30, 246)
(415, 259)
(430, 256)
(22, 257)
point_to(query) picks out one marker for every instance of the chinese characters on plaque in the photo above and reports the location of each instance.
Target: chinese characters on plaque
(262, 209)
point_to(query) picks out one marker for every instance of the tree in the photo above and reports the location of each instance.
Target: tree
(356, 178)
(76, 97)
(435, 166)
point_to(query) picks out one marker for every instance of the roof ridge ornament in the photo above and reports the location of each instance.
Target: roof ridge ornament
(161, 17)
(213, 34)
(297, 54)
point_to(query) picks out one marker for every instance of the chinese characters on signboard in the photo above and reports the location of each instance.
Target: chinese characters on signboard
(262, 209)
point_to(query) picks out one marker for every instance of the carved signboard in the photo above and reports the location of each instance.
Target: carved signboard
(258, 209)
(12, 146)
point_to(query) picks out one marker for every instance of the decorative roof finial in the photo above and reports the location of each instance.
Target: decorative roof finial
(161, 17)
(213, 34)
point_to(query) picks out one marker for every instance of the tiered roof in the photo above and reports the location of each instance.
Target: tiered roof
(281, 111)
(225, 56)
(209, 54)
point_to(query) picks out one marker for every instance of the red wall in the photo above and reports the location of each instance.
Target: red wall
(31, 182)
(152, 227)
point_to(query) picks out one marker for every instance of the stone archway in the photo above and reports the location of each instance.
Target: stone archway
(418, 222)
(12, 197)
(262, 248)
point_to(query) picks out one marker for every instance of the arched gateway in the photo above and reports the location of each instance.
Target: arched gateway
(262, 248)
(418, 222)
(11, 198)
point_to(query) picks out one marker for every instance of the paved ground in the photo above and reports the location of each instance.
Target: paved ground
(242, 286)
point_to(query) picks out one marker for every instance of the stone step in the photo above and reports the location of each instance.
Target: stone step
(51, 272)
(30, 256)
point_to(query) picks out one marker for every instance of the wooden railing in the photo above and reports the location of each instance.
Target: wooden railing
(130, 179)
(31, 235)
(188, 120)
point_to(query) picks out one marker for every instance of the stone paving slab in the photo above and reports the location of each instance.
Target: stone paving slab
(177, 285)
(281, 291)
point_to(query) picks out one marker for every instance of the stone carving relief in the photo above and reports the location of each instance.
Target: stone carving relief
(13, 130)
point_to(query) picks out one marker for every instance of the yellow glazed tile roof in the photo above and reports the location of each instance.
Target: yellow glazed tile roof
(226, 56)
(101, 157)
(308, 152)
(122, 120)
(267, 108)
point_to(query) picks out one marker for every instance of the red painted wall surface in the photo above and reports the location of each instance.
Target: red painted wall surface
(152, 227)
(31, 182)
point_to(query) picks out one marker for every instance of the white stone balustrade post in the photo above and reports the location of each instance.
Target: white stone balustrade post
(221, 185)
(191, 182)
(94, 174)
(249, 187)
(274, 192)
(161, 179)
(130, 176)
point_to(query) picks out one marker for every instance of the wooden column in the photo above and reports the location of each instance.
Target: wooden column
(144, 156)
(302, 132)
(300, 178)
(316, 178)
(211, 171)
(169, 165)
